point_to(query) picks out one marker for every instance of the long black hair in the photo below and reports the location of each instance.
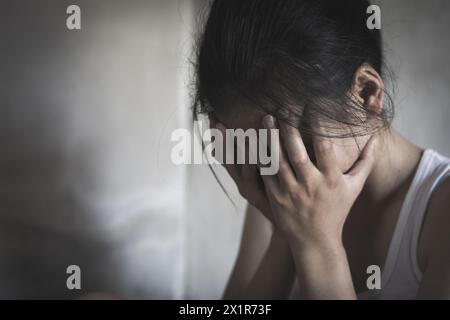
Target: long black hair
(289, 57)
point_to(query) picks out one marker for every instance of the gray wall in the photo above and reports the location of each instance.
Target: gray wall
(86, 118)
(418, 44)
(85, 173)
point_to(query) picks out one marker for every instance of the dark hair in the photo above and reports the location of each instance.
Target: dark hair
(289, 57)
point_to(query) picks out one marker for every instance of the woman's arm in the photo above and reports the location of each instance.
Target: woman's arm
(264, 268)
(276, 273)
(323, 271)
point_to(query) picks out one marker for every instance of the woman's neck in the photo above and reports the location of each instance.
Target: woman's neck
(396, 164)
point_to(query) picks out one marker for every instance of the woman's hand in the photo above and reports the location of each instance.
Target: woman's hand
(248, 181)
(310, 203)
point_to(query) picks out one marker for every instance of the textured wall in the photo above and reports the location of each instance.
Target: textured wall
(418, 44)
(85, 176)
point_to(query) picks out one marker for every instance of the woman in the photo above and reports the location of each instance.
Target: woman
(350, 192)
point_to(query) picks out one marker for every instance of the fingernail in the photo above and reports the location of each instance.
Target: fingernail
(269, 121)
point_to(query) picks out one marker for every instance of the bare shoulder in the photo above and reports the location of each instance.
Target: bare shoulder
(435, 235)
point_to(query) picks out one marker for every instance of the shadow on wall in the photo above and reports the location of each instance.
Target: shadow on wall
(79, 129)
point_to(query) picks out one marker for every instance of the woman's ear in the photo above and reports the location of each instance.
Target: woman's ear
(368, 88)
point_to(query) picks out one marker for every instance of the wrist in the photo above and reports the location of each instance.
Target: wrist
(312, 257)
(322, 244)
(279, 241)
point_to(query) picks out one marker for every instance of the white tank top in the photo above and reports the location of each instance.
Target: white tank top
(401, 275)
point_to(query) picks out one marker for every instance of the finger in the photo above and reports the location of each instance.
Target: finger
(285, 173)
(325, 155)
(363, 166)
(270, 186)
(251, 177)
(271, 180)
(296, 150)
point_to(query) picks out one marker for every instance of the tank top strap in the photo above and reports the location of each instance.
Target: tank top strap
(438, 171)
(401, 275)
